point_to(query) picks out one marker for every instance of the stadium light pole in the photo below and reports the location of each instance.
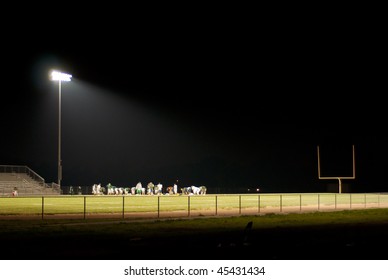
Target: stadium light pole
(58, 76)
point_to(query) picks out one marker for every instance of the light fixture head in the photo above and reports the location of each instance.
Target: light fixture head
(58, 76)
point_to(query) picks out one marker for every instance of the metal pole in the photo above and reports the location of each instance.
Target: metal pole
(216, 205)
(350, 198)
(158, 206)
(339, 185)
(84, 207)
(42, 207)
(281, 202)
(188, 205)
(239, 204)
(59, 137)
(300, 203)
(123, 207)
(319, 202)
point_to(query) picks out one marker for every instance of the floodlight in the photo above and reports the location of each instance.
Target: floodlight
(59, 76)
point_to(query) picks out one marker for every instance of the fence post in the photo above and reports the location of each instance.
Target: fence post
(258, 203)
(123, 207)
(281, 202)
(239, 204)
(188, 205)
(42, 207)
(300, 203)
(350, 198)
(158, 206)
(319, 201)
(84, 207)
(216, 205)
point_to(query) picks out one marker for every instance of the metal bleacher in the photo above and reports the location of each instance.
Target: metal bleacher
(25, 181)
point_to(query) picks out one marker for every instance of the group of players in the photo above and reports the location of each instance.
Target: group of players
(151, 189)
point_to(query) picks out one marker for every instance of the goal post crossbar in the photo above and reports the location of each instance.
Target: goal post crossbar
(339, 178)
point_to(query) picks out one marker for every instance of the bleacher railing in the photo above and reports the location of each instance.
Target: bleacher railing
(22, 169)
(24, 184)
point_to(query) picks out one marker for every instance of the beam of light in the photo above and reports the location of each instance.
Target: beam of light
(58, 76)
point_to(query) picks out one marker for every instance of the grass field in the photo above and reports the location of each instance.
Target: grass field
(183, 205)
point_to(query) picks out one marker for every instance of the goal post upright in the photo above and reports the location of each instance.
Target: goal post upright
(339, 178)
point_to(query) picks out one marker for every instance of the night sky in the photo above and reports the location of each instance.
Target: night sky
(228, 106)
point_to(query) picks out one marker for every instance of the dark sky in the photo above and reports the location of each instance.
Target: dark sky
(227, 105)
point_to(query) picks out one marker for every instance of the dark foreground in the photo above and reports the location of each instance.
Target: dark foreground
(362, 241)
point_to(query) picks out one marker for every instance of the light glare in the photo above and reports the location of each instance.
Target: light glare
(58, 76)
